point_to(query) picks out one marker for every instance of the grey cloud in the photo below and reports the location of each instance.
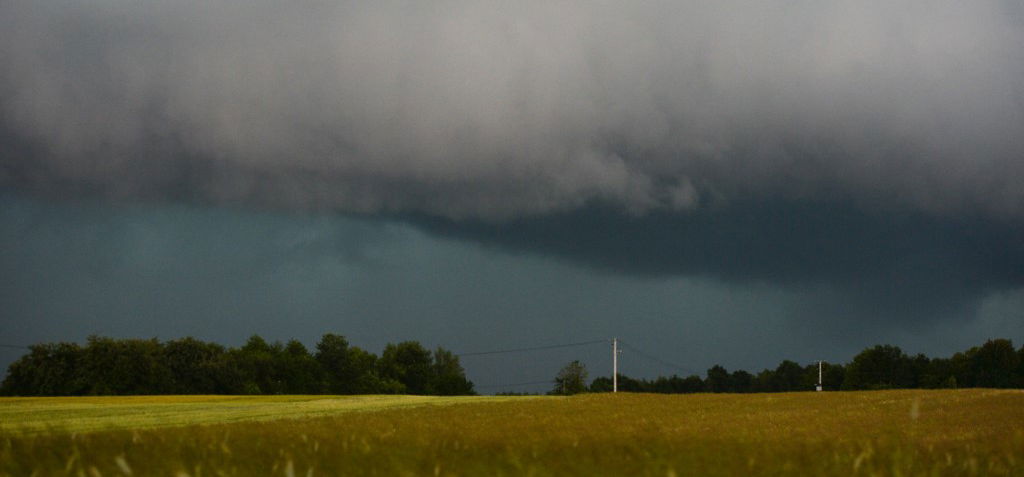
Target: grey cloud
(498, 110)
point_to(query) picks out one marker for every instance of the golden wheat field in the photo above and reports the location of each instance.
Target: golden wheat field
(961, 432)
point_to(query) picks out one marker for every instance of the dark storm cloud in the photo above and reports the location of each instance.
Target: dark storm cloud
(870, 149)
(498, 110)
(70, 269)
(907, 265)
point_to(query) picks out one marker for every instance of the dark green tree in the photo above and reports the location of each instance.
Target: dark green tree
(916, 372)
(125, 367)
(301, 373)
(938, 374)
(259, 363)
(832, 376)
(664, 385)
(1020, 367)
(604, 384)
(449, 377)
(764, 381)
(49, 369)
(571, 379)
(789, 376)
(962, 365)
(717, 380)
(193, 366)
(340, 374)
(408, 363)
(741, 381)
(368, 379)
(880, 367)
(692, 384)
(995, 364)
(601, 384)
(630, 385)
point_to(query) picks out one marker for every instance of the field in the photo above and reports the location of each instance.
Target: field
(964, 432)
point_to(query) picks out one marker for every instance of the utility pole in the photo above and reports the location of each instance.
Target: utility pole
(615, 365)
(819, 375)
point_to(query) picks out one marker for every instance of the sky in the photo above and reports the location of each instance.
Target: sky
(712, 182)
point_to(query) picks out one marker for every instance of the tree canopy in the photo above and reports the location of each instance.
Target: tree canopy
(571, 379)
(108, 366)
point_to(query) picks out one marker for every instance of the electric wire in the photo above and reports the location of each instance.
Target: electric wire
(534, 348)
(660, 361)
(510, 385)
(521, 350)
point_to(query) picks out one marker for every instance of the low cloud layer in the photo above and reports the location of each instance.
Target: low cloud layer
(863, 267)
(496, 111)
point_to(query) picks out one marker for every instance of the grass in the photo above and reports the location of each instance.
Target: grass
(85, 414)
(965, 432)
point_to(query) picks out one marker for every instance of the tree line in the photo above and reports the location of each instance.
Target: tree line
(995, 364)
(108, 366)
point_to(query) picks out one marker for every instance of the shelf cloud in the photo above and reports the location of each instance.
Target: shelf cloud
(498, 111)
(870, 149)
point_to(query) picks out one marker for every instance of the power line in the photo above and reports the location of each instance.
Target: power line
(13, 346)
(535, 348)
(521, 350)
(490, 386)
(656, 359)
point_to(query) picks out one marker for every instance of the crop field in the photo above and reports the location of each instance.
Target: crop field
(961, 432)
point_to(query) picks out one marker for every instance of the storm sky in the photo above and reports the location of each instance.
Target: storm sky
(715, 182)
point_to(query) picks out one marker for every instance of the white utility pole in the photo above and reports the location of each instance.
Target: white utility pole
(615, 365)
(819, 375)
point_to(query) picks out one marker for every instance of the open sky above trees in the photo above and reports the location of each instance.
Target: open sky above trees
(715, 182)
